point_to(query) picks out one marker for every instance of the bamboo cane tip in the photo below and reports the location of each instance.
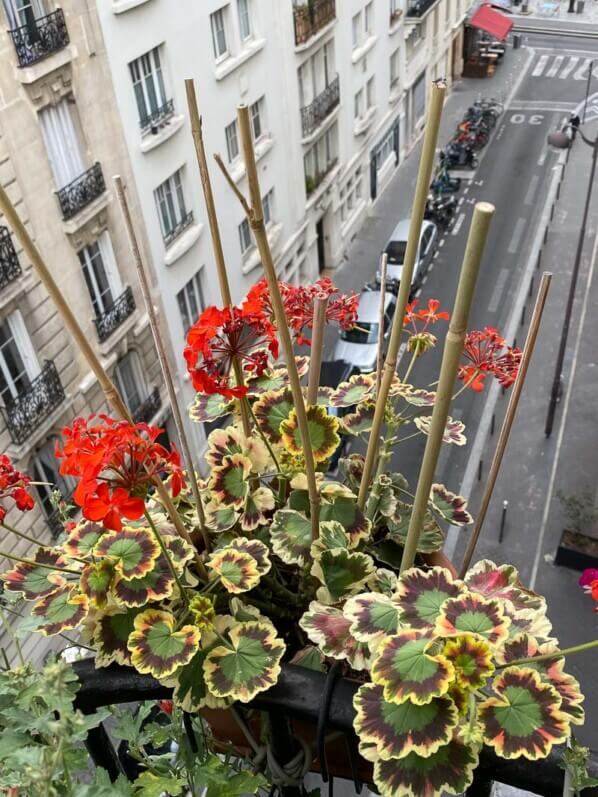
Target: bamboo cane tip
(487, 208)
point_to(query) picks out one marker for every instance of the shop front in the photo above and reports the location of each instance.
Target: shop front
(484, 41)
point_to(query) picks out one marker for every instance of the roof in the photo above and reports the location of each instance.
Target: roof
(492, 21)
(369, 305)
(401, 231)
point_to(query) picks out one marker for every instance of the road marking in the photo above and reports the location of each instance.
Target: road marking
(533, 187)
(579, 75)
(458, 224)
(440, 243)
(431, 266)
(543, 156)
(556, 65)
(539, 68)
(501, 281)
(461, 201)
(516, 238)
(465, 190)
(571, 64)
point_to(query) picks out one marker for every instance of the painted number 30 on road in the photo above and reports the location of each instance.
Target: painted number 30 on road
(520, 118)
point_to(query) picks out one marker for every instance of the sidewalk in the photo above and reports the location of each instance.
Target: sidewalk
(554, 14)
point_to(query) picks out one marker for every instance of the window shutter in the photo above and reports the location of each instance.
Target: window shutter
(105, 245)
(21, 336)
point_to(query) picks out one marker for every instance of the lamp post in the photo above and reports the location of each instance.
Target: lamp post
(560, 140)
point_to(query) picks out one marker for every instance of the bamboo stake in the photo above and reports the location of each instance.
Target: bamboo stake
(507, 424)
(112, 395)
(453, 347)
(256, 222)
(424, 175)
(381, 315)
(202, 163)
(159, 342)
(317, 347)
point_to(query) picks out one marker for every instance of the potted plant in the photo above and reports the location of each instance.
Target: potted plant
(577, 548)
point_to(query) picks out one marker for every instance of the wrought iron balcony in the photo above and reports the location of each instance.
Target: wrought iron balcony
(40, 37)
(417, 8)
(24, 413)
(311, 17)
(146, 411)
(83, 190)
(10, 268)
(114, 315)
(185, 222)
(153, 122)
(316, 112)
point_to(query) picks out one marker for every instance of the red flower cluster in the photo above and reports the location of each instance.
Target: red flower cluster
(115, 462)
(589, 581)
(488, 353)
(220, 336)
(299, 304)
(13, 484)
(429, 314)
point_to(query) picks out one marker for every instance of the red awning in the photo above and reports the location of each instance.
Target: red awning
(486, 18)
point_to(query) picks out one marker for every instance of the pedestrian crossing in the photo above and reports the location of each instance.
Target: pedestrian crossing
(564, 67)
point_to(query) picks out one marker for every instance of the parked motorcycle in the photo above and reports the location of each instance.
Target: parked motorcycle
(441, 209)
(443, 183)
(459, 154)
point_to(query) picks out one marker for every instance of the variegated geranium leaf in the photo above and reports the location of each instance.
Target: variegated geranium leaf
(421, 593)
(270, 410)
(331, 535)
(220, 518)
(453, 432)
(419, 397)
(82, 539)
(330, 630)
(302, 362)
(471, 613)
(208, 408)
(179, 550)
(384, 581)
(471, 658)
(310, 658)
(224, 443)
(502, 582)
(346, 512)
(238, 571)
(96, 580)
(528, 621)
(156, 585)
(190, 690)
(360, 421)
(373, 616)
(249, 665)
(271, 379)
(449, 770)
(61, 611)
(382, 499)
(156, 647)
(257, 506)
(290, 534)
(358, 388)
(34, 580)
(396, 729)
(229, 483)
(351, 467)
(450, 506)
(431, 537)
(525, 718)
(408, 671)
(323, 434)
(133, 551)
(256, 549)
(110, 636)
(341, 573)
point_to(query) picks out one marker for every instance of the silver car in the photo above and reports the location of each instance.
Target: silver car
(359, 346)
(397, 245)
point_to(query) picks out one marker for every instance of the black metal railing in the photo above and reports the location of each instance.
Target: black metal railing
(153, 121)
(417, 8)
(115, 314)
(311, 17)
(39, 38)
(24, 413)
(146, 411)
(316, 112)
(173, 233)
(83, 190)
(10, 268)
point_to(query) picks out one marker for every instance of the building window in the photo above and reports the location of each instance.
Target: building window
(320, 159)
(358, 104)
(393, 8)
(256, 112)
(370, 91)
(232, 141)
(191, 301)
(100, 273)
(350, 194)
(148, 84)
(18, 361)
(394, 68)
(130, 381)
(369, 19)
(244, 20)
(219, 34)
(245, 239)
(171, 206)
(58, 128)
(268, 206)
(356, 29)
(44, 469)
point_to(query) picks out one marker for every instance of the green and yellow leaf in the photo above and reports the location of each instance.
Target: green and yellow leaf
(473, 614)
(83, 538)
(257, 504)
(271, 410)
(323, 433)
(329, 629)
(421, 593)
(61, 611)
(96, 580)
(238, 571)
(156, 648)
(220, 518)
(502, 582)
(431, 538)
(133, 551)
(110, 636)
(290, 534)
(453, 432)
(360, 421)
(358, 388)
(346, 512)
(206, 409)
(229, 483)
(450, 506)
(471, 658)
(156, 585)
(256, 549)
(35, 581)
(341, 573)
(373, 617)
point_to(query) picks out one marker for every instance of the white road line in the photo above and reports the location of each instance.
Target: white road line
(569, 67)
(465, 190)
(555, 458)
(501, 281)
(516, 237)
(533, 187)
(556, 65)
(579, 75)
(458, 224)
(539, 68)
(440, 243)
(461, 201)
(543, 156)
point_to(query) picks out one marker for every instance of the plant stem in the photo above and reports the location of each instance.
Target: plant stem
(381, 317)
(164, 550)
(409, 367)
(24, 561)
(11, 633)
(549, 656)
(36, 542)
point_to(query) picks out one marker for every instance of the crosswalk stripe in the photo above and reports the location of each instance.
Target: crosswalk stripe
(579, 75)
(555, 66)
(569, 67)
(539, 68)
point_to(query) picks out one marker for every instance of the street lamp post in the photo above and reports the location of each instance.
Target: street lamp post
(561, 141)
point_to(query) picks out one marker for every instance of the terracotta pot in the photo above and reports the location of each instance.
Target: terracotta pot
(439, 559)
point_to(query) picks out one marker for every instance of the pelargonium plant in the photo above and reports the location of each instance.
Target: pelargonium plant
(447, 665)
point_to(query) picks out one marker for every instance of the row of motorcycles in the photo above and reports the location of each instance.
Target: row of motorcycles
(471, 135)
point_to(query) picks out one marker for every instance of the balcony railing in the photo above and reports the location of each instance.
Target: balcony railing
(185, 222)
(10, 268)
(115, 314)
(417, 8)
(83, 190)
(311, 17)
(40, 37)
(316, 112)
(154, 120)
(313, 181)
(146, 411)
(24, 413)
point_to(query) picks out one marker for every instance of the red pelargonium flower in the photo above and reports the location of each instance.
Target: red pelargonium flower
(299, 305)
(488, 353)
(14, 484)
(429, 315)
(220, 336)
(115, 462)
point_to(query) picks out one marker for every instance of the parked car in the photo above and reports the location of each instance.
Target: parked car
(332, 373)
(359, 346)
(396, 248)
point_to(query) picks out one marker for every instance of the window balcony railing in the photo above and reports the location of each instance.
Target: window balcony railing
(311, 17)
(175, 231)
(313, 181)
(83, 190)
(154, 121)
(146, 411)
(115, 314)
(24, 413)
(10, 268)
(40, 37)
(417, 8)
(316, 112)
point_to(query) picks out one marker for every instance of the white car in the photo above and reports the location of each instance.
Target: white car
(397, 246)
(359, 346)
